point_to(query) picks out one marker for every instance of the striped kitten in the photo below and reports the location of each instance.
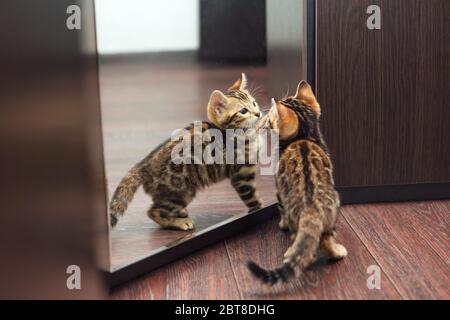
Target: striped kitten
(173, 186)
(308, 202)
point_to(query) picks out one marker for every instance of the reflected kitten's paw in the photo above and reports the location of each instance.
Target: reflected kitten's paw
(184, 224)
(175, 223)
(258, 205)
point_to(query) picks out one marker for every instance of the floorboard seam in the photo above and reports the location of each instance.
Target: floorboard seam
(394, 285)
(232, 270)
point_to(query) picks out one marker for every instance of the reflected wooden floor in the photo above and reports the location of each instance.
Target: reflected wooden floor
(409, 242)
(144, 99)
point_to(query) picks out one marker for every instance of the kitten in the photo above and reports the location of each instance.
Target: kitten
(308, 201)
(173, 186)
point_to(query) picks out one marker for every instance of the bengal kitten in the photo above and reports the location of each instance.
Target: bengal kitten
(308, 201)
(173, 186)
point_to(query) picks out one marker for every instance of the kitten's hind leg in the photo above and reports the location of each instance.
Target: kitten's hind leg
(243, 181)
(332, 249)
(283, 224)
(170, 218)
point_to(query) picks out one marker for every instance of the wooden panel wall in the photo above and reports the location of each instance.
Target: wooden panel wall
(385, 94)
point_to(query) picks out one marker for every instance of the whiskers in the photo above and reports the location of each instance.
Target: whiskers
(286, 95)
(265, 109)
(256, 91)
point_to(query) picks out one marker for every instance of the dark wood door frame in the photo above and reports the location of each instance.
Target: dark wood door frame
(408, 189)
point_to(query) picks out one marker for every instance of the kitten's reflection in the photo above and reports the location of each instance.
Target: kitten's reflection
(173, 180)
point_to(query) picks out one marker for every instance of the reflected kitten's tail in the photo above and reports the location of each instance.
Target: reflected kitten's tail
(124, 194)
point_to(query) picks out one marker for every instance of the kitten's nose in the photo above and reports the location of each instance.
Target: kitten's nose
(258, 114)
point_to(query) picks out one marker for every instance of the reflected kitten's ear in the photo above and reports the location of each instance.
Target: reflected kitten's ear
(240, 84)
(217, 103)
(305, 94)
(273, 112)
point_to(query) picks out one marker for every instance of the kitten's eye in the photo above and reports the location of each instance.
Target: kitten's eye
(243, 111)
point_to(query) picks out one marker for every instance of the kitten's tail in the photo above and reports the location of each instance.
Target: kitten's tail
(283, 272)
(124, 194)
(300, 255)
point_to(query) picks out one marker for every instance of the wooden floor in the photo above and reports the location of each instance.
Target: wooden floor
(408, 241)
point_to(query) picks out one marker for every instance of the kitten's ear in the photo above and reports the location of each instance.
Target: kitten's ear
(287, 120)
(285, 114)
(240, 84)
(305, 94)
(217, 103)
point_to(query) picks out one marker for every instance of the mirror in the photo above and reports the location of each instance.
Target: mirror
(159, 63)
